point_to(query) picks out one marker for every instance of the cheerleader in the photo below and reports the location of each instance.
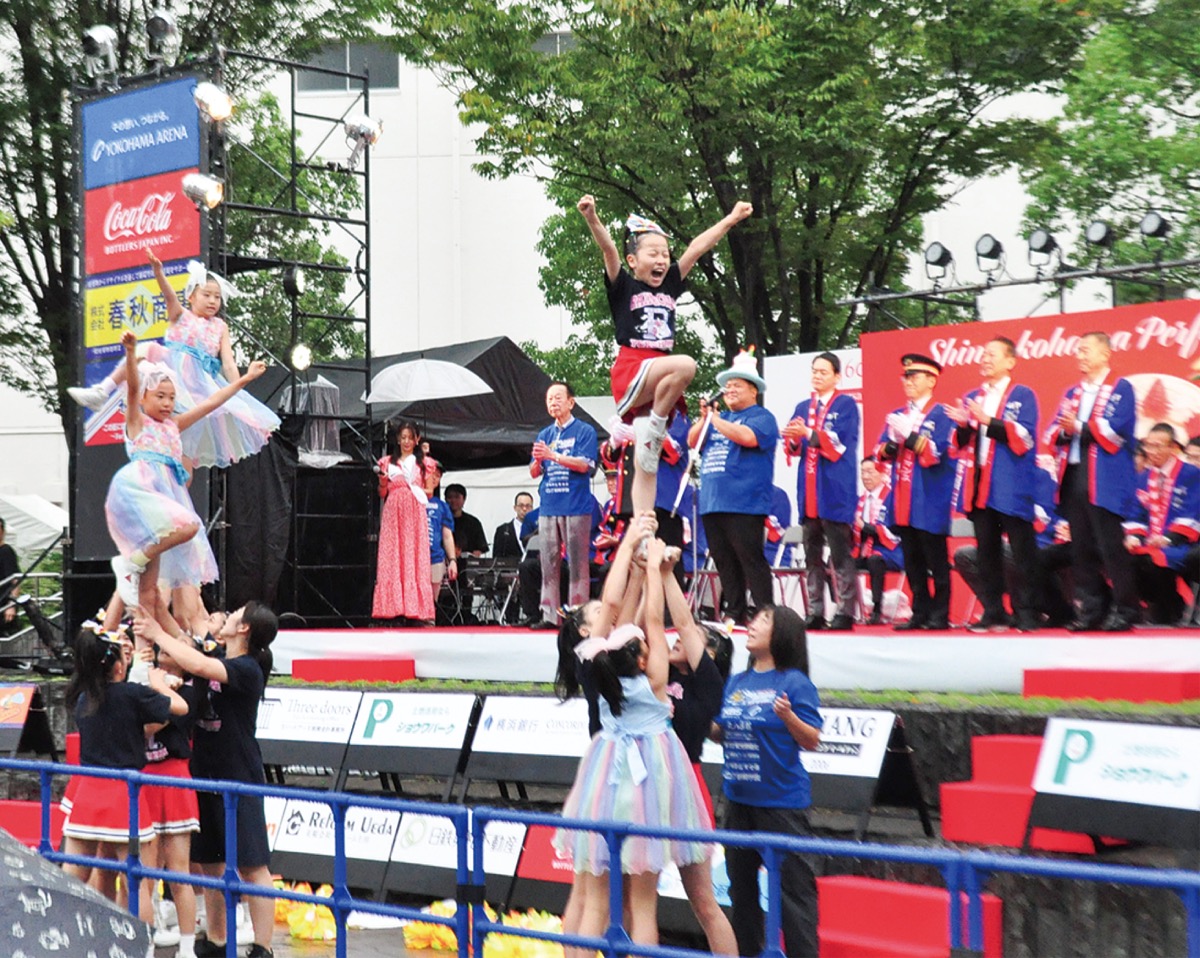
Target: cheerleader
(150, 515)
(110, 714)
(196, 349)
(402, 572)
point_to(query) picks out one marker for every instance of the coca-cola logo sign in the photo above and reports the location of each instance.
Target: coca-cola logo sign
(152, 215)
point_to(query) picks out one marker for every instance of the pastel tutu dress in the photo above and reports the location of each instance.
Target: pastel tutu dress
(147, 501)
(238, 428)
(635, 770)
(402, 576)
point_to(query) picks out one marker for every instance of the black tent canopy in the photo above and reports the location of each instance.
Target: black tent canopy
(464, 432)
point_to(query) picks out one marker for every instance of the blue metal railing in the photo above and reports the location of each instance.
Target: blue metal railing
(963, 872)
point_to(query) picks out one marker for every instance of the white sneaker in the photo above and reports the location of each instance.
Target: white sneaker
(90, 397)
(648, 445)
(166, 937)
(129, 578)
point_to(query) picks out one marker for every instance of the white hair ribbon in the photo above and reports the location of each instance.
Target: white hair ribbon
(152, 374)
(199, 274)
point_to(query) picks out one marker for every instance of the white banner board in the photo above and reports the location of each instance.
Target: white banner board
(307, 715)
(306, 828)
(413, 720)
(1153, 765)
(853, 742)
(529, 725)
(431, 840)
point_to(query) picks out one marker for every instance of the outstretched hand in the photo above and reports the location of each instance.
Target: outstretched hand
(587, 206)
(154, 260)
(129, 340)
(255, 369)
(740, 211)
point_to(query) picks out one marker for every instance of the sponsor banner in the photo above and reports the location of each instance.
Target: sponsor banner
(306, 828)
(1153, 765)
(528, 725)
(432, 841)
(1156, 346)
(273, 806)
(307, 715)
(123, 220)
(541, 861)
(413, 720)
(140, 133)
(853, 742)
(14, 704)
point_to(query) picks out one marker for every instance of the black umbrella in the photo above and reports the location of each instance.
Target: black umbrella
(45, 912)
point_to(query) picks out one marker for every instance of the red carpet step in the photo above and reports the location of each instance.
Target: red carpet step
(1112, 684)
(392, 668)
(993, 808)
(870, 918)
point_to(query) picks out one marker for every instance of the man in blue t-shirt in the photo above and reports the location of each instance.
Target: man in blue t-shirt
(736, 480)
(564, 458)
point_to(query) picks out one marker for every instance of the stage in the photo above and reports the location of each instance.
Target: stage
(867, 658)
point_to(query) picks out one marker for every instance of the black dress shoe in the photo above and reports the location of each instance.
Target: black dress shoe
(937, 625)
(1084, 625)
(912, 625)
(1028, 625)
(814, 622)
(876, 618)
(841, 623)
(1116, 623)
(989, 624)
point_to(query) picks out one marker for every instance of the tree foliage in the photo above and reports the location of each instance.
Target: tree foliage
(40, 61)
(1129, 137)
(842, 121)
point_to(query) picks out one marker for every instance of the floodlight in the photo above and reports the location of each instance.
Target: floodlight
(301, 357)
(162, 36)
(937, 257)
(100, 50)
(989, 252)
(204, 190)
(293, 281)
(1099, 233)
(361, 132)
(1042, 245)
(1154, 225)
(214, 103)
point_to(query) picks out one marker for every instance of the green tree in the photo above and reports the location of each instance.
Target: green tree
(842, 121)
(40, 60)
(1129, 137)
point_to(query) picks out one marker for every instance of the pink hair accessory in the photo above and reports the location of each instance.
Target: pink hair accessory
(620, 637)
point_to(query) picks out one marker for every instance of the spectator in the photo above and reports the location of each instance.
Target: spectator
(564, 457)
(876, 548)
(508, 543)
(468, 531)
(8, 570)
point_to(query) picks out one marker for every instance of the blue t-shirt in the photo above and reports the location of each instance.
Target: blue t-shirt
(564, 492)
(737, 478)
(762, 760)
(440, 517)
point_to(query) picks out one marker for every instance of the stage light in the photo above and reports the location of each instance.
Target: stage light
(361, 132)
(301, 357)
(1099, 233)
(1154, 225)
(1042, 245)
(214, 103)
(203, 190)
(989, 253)
(937, 258)
(294, 281)
(100, 51)
(162, 33)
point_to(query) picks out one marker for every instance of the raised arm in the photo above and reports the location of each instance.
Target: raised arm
(190, 658)
(612, 599)
(656, 637)
(221, 396)
(712, 236)
(174, 307)
(612, 257)
(681, 615)
(133, 386)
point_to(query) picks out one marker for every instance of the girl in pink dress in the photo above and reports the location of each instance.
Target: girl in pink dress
(402, 584)
(197, 350)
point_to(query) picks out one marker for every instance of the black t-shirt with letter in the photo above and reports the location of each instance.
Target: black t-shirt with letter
(113, 736)
(224, 744)
(644, 315)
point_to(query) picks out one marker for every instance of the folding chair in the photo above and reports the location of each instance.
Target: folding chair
(789, 579)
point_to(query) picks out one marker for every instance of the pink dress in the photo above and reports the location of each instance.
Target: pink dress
(402, 586)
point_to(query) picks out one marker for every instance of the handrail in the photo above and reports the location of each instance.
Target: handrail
(963, 871)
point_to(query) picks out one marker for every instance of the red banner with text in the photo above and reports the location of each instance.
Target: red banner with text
(1156, 346)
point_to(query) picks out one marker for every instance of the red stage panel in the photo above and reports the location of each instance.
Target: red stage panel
(867, 916)
(983, 813)
(1108, 684)
(352, 669)
(1005, 759)
(23, 820)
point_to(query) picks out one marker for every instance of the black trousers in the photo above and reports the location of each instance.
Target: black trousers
(876, 569)
(991, 527)
(1054, 591)
(839, 536)
(735, 542)
(798, 885)
(926, 563)
(1097, 549)
(1160, 588)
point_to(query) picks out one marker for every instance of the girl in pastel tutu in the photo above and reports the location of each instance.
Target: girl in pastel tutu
(150, 516)
(402, 575)
(110, 714)
(197, 351)
(636, 769)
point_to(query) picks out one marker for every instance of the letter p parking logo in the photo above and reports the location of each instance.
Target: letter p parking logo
(1077, 745)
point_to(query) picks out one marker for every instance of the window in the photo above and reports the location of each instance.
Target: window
(381, 63)
(554, 43)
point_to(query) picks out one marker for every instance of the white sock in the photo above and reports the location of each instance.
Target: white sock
(187, 946)
(107, 384)
(658, 423)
